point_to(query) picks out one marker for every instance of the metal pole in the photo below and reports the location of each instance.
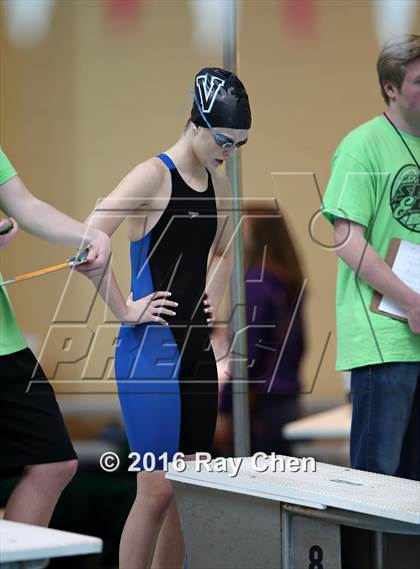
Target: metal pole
(241, 429)
(378, 558)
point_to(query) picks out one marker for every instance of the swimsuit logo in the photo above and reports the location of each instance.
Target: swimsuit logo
(405, 197)
(208, 90)
(193, 214)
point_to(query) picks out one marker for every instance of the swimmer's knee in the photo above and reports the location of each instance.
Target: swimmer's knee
(154, 490)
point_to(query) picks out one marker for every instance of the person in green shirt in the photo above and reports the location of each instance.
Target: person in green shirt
(11, 339)
(33, 439)
(372, 197)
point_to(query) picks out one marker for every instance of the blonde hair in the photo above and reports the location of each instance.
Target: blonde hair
(394, 58)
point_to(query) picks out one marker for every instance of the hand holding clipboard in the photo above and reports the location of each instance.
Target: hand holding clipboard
(404, 259)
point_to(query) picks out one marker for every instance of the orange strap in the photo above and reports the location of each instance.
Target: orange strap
(42, 271)
(81, 258)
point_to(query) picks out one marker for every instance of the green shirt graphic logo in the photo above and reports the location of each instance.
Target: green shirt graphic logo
(405, 197)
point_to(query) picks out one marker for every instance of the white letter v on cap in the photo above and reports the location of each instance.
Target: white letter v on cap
(208, 92)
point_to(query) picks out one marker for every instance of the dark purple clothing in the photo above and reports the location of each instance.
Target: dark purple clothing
(269, 316)
(272, 367)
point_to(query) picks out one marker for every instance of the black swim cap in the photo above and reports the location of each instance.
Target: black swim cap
(222, 99)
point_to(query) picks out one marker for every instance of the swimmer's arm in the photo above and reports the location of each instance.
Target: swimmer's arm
(360, 256)
(137, 189)
(221, 265)
(107, 286)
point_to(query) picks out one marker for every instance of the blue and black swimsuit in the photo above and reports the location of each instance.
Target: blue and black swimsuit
(166, 375)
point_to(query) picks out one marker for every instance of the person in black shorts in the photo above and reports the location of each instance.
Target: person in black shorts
(33, 439)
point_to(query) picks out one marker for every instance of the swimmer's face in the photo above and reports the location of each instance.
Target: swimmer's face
(214, 146)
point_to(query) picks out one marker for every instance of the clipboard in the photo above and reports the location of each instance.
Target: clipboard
(377, 297)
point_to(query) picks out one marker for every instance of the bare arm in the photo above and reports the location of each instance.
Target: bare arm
(41, 219)
(44, 221)
(356, 252)
(137, 189)
(147, 309)
(220, 268)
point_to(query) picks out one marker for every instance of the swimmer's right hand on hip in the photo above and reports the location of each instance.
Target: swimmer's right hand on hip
(149, 308)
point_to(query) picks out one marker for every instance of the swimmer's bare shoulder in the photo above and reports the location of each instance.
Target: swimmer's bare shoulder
(156, 193)
(146, 187)
(144, 183)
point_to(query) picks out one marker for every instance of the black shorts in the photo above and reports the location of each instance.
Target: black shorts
(32, 429)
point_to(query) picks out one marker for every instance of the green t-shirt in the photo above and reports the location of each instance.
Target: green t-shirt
(374, 182)
(11, 340)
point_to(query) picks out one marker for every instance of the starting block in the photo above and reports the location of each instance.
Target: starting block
(330, 518)
(24, 546)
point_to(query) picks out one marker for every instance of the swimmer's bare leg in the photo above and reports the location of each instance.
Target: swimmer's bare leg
(170, 547)
(144, 522)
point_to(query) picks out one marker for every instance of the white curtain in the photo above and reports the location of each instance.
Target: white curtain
(393, 18)
(27, 21)
(208, 18)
